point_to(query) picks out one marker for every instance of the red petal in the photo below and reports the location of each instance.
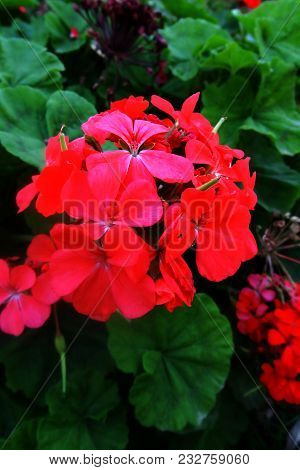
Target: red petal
(4, 273)
(133, 299)
(124, 247)
(91, 128)
(140, 206)
(94, 297)
(162, 104)
(167, 167)
(43, 290)
(133, 106)
(116, 123)
(34, 313)
(22, 278)
(69, 268)
(275, 338)
(11, 320)
(41, 249)
(25, 196)
(78, 199)
(198, 152)
(189, 105)
(106, 173)
(144, 130)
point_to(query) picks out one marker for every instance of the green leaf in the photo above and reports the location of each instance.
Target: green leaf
(221, 430)
(22, 123)
(186, 38)
(69, 108)
(34, 31)
(24, 63)
(231, 56)
(188, 9)
(271, 111)
(10, 415)
(88, 417)
(31, 360)
(275, 28)
(17, 3)
(232, 99)
(274, 111)
(59, 21)
(24, 436)
(277, 185)
(27, 120)
(180, 362)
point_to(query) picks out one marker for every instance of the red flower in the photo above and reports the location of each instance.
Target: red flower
(49, 184)
(74, 33)
(220, 228)
(137, 160)
(133, 107)
(268, 313)
(22, 9)
(122, 254)
(285, 330)
(217, 163)
(282, 381)
(252, 3)
(183, 116)
(20, 308)
(175, 287)
(106, 201)
(253, 305)
(104, 279)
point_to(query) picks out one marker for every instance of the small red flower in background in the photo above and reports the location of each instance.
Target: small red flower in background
(282, 381)
(22, 9)
(164, 187)
(252, 3)
(254, 303)
(268, 312)
(19, 307)
(74, 33)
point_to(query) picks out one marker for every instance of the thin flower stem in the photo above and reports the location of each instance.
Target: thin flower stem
(63, 368)
(287, 247)
(170, 132)
(285, 271)
(60, 346)
(288, 258)
(209, 184)
(253, 390)
(218, 125)
(62, 141)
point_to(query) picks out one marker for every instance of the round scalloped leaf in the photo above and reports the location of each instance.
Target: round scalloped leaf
(180, 362)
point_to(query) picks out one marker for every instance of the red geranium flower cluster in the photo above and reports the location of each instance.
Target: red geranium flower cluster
(269, 313)
(137, 191)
